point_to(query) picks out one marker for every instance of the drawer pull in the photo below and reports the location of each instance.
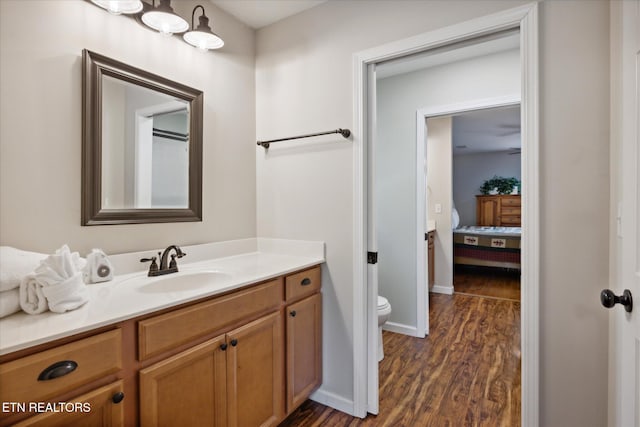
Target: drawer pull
(118, 397)
(58, 369)
(292, 313)
(305, 282)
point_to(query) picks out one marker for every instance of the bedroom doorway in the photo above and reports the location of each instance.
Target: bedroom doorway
(523, 18)
(402, 188)
(486, 204)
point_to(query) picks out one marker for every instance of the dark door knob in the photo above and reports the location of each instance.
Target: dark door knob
(609, 299)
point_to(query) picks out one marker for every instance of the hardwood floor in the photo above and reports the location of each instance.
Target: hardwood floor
(487, 281)
(465, 373)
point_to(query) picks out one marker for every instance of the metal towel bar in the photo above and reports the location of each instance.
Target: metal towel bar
(344, 132)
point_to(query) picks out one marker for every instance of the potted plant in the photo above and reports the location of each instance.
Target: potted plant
(500, 185)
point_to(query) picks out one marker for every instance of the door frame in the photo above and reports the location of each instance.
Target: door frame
(524, 18)
(422, 135)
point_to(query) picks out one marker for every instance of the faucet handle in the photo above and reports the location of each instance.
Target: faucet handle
(154, 264)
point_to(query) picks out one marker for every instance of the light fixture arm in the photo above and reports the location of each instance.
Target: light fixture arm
(193, 15)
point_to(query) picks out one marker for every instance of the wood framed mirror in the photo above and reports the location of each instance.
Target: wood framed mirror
(141, 145)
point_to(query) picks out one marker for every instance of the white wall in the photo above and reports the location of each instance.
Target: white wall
(471, 170)
(40, 112)
(398, 99)
(439, 171)
(304, 83)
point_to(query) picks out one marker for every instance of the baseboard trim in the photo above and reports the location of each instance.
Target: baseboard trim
(401, 329)
(447, 290)
(334, 401)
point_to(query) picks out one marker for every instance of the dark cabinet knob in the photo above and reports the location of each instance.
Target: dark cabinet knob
(118, 397)
(609, 299)
(223, 346)
(292, 313)
(234, 342)
(58, 369)
(305, 282)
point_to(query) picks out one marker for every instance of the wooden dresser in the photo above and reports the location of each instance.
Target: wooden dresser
(498, 210)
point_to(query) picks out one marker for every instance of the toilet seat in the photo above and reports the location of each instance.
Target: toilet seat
(384, 311)
(382, 303)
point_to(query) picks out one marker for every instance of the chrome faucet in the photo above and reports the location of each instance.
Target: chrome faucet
(166, 266)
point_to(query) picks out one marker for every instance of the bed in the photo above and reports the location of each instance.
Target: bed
(487, 246)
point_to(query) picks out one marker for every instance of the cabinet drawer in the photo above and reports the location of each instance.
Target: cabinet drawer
(510, 220)
(302, 284)
(170, 330)
(510, 201)
(95, 357)
(95, 408)
(511, 211)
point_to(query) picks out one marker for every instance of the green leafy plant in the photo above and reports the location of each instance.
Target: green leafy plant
(501, 184)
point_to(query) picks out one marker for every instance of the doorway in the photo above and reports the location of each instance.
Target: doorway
(365, 275)
(473, 187)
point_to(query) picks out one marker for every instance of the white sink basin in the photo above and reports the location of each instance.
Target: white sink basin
(184, 281)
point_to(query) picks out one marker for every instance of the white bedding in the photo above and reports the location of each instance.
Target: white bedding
(477, 229)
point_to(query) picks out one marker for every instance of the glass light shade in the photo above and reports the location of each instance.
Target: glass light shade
(203, 40)
(163, 19)
(119, 6)
(202, 37)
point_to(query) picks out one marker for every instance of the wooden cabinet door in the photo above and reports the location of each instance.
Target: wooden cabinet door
(304, 349)
(432, 260)
(188, 389)
(487, 211)
(255, 373)
(98, 408)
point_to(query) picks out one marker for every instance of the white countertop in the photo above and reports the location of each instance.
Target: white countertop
(242, 261)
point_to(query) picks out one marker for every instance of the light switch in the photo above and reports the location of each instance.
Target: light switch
(438, 208)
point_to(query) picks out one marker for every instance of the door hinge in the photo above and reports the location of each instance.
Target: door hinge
(372, 257)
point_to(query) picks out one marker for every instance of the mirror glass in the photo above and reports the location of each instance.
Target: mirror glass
(145, 147)
(142, 145)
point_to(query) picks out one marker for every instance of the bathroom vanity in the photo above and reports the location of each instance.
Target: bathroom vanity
(246, 354)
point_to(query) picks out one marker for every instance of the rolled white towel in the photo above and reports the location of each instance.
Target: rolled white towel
(32, 300)
(9, 302)
(15, 264)
(67, 295)
(56, 284)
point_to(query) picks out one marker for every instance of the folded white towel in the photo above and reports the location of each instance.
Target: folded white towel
(56, 284)
(67, 295)
(9, 302)
(15, 264)
(59, 267)
(32, 300)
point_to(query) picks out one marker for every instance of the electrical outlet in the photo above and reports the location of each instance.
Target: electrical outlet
(438, 208)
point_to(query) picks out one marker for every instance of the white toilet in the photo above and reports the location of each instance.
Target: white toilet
(384, 310)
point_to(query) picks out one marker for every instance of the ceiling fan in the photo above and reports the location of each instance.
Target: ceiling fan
(509, 130)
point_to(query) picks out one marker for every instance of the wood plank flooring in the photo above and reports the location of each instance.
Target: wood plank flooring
(465, 373)
(487, 281)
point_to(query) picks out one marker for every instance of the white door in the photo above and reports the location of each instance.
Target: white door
(624, 401)
(372, 247)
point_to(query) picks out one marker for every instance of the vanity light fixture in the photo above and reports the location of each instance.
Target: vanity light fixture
(162, 18)
(120, 6)
(202, 37)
